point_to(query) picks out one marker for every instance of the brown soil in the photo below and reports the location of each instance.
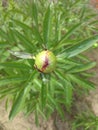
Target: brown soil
(54, 123)
(93, 96)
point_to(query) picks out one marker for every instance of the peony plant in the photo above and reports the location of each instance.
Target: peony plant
(42, 62)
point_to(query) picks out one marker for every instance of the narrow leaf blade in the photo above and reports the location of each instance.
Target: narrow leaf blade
(26, 43)
(14, 65)
(80, 47)
(10, 80)
(82, 67)
(19, 102)
(35, 13)
(62, 43)
(46, 26)
(82, 82)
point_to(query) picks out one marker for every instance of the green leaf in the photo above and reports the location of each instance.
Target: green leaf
(42, 114)
(35, 13)
(81, 82)
(68, 61)
(82, 67)
(8, 90)
(14, 65)
(68, 91)
(20, 100)
(31, 108)
(57, 28)
(17, 11)
(3, 44)
(57, 106)
(67, 88)
(50, 111)
(60, 75)
(11, 37)
(37, 35)
(62, 43)
(43, 94)
(23, 25)
(54, 83)
(7, 104)
(80, 47)
(36, 115)
(46, 26)
(3, 34)
(33, 30)
(24, 40)
(83, 58)
(37, 83)
(12, 80)
(29, 31)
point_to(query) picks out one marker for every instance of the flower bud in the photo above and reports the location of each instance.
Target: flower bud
(45, 61)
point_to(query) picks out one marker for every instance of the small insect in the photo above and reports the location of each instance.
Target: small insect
(22, 55)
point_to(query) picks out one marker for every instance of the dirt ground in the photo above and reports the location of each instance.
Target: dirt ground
(22, 123)
(93, 96)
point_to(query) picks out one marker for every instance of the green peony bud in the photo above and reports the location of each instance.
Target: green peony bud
(45, 61)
